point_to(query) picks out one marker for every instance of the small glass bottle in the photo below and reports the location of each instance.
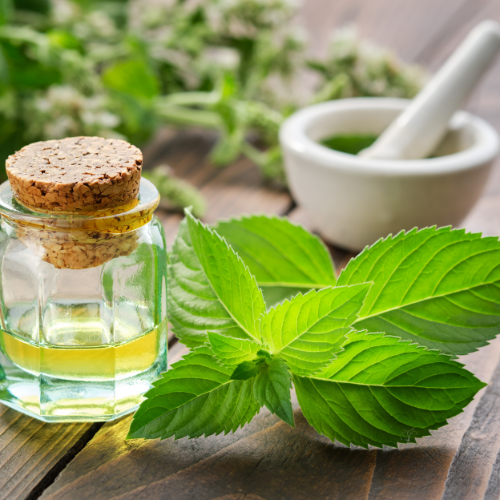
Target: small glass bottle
(82, 308)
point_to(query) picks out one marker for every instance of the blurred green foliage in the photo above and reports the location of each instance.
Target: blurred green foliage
(118, 68)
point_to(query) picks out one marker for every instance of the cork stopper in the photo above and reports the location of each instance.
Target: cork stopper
(75, 174)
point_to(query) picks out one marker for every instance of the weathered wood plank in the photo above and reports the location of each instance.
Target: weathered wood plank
(455, 28)
(232, 464)
(276, 463)
(30, 450)
(474, 463)
(125, 466)
(407, 27)
(239, 189)
(493, 490)
(110, 465)
(139, 462)
(229, 192)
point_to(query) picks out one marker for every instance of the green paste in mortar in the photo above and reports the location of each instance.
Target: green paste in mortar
(349, 143)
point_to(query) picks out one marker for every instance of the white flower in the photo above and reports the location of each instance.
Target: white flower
(61, 127)
(224, 57)
(65, 96)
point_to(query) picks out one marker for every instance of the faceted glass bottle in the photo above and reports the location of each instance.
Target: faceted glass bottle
(82, 309)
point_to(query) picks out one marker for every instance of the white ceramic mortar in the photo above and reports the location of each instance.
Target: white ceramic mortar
(353, 201)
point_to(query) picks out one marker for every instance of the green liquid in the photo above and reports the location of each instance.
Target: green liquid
(349, 143)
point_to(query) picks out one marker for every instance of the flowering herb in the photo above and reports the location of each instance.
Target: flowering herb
(123, 68)
(371, 355)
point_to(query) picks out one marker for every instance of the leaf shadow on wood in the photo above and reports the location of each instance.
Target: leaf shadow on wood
(110, 466)
(279, 462)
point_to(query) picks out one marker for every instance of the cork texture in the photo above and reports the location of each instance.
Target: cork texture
(75, 174)
(88, 242)
(78, 249)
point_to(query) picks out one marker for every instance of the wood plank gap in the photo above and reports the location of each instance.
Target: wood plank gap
(471, 468)
(493, 489)
(52, 474)
(172, 342)
(290, 208)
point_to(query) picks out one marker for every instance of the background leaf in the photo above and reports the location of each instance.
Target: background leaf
(437, 287)
(308, 330)
(132, 77)
(284, 258)
(272, 389)
(193, 398)
(210, 289)
(384, 391)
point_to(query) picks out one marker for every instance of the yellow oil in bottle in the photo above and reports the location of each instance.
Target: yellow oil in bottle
(84, 363)
(85, 379)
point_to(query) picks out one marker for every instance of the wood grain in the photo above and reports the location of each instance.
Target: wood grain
(276, 463)
(138, 462)
(475, 465)
(231, 191)
(30, 450)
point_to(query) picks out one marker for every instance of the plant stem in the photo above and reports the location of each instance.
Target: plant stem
(191, 98)
(181, 115)
(252, 153)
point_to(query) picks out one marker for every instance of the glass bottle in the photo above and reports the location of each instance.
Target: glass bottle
(82, 308)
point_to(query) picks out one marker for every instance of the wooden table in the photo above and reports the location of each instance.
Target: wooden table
(267, 458)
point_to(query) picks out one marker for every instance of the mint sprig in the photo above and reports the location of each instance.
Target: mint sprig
(360, 386)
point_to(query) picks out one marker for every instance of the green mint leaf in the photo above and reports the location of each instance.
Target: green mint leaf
(437, 287)
(284, 258)
(210, 288)
(384, 391)
(308, 330)
(231, 351)
(195, 397)
(272, 389)
(247, 369)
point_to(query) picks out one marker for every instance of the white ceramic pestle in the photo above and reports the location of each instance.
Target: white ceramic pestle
(420, 128)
